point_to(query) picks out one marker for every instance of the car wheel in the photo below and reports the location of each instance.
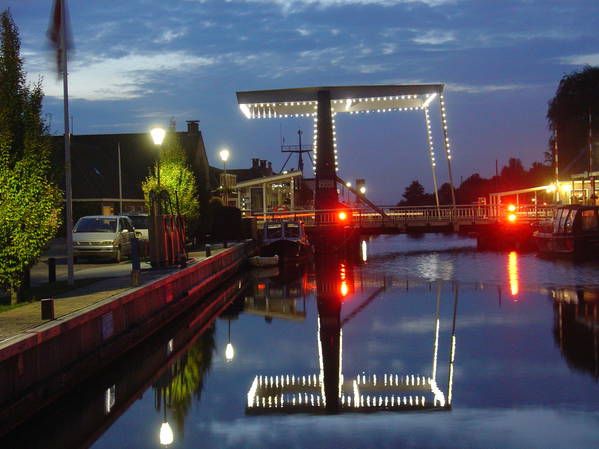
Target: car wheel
(117, 255)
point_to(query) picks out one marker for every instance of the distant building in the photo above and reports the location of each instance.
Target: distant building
(95, 168)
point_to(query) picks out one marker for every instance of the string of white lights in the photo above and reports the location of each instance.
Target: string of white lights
(333, 114)
(444, 125)
(429, 135)
(315, 142)
(431, 152)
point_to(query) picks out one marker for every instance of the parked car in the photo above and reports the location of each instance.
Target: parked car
(140, 222)
(103, 236)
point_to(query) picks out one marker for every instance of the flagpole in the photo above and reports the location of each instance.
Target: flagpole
(67, 145)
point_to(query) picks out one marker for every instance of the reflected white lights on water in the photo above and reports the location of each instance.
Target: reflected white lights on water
(364, 251)
(512, 267)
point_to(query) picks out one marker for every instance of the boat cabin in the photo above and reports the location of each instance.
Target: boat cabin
(283, 230)
(575, 219)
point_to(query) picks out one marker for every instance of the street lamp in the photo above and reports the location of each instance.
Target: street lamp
(158, 137)
(224, 156)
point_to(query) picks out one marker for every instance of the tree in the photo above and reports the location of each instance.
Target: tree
(29, 201)
(575, 104)
(177, 179)
(415, 196)
(513, 175)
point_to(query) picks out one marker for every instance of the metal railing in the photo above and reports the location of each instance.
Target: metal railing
(396, 215)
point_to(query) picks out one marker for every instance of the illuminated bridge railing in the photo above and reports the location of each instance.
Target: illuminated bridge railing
(399, 215)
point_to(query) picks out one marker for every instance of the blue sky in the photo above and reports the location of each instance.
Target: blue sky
(142, 62)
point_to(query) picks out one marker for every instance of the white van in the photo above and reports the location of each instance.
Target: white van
(103, 236)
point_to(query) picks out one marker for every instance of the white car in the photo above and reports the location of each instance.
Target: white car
(103, 236)
(140, 224)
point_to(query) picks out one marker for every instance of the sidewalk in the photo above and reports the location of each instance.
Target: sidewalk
(27, 317)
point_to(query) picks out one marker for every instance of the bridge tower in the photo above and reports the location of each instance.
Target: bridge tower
(325, 196)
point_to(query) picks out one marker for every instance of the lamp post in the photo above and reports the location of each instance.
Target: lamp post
(348, 185)
(224, 155)
(158, 137)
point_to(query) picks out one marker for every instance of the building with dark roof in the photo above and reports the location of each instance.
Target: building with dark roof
(95, 169)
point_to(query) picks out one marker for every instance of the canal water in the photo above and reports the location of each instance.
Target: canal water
(403, 342)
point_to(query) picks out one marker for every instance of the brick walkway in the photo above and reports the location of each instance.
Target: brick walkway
(20, 319)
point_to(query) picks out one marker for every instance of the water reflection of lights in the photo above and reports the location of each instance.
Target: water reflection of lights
(344, 288)
(166, 434)
(434, 267)
(364, 393)
(513, 272)
(364, 247)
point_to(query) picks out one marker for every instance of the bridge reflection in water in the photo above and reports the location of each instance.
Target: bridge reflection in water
(330, 390)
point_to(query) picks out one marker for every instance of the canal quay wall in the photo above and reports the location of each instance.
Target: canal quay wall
(38, 365)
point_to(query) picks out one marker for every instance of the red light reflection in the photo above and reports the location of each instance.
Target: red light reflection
(512, 268)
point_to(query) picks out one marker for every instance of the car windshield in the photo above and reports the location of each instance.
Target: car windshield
(90, 224)
(139, 221)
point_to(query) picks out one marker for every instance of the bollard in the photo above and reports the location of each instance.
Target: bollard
(47, 309)
(135, 277)
(135, 258)
(51, 270)
(207, 249)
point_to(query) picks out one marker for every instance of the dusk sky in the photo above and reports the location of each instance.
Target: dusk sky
(139, 63)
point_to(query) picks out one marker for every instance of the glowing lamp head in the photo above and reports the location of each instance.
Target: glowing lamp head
(166, 434)
(566, 188)
(511, 218)
(342, 216)
(348, 184)
(362, 190)
(224, 155)
(157, 135)
(229, 352)
(511, 208)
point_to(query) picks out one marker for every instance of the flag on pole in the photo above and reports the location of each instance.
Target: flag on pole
(59, 40)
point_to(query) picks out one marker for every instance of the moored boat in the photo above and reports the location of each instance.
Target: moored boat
(264, 261)
(574, 230)
(285, 238)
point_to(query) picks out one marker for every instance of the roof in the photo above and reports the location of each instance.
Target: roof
(95, 165)
(267, 179)
(351, 99)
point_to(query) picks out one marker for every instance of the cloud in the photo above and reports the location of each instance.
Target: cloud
(121, 78)
(479, 427)
(389, 48)
(426, 325)
(170, 35)
(589, 59)
(472, 89)
(290, 6)
(435, 37)
(303, 31)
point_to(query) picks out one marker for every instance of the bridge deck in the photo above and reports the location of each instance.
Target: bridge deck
(425, 218)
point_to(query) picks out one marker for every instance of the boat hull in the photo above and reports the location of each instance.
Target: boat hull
(286, 249)
(567, 244)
